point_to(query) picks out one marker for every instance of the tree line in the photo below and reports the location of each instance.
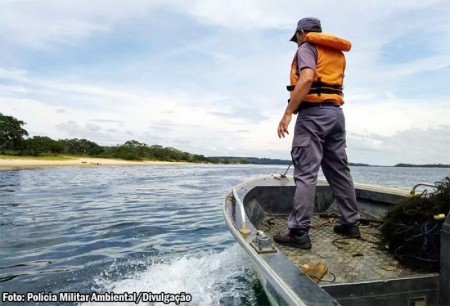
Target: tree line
(422, 165)
(14, 140)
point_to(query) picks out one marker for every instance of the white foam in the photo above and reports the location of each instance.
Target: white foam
(210, 278)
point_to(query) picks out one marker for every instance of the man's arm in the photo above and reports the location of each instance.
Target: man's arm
(301, 89)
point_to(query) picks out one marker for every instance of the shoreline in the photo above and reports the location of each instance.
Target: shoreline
(24, 163)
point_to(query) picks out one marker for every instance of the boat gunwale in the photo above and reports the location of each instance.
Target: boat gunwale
(288, 292)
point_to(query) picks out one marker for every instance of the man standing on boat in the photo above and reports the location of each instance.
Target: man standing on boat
(317, 74)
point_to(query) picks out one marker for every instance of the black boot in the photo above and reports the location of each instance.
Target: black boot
(349, 230)
(295, 238)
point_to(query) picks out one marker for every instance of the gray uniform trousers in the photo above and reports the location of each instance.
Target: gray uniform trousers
(319, 140)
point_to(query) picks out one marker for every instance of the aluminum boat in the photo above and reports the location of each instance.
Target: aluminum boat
(360, 272)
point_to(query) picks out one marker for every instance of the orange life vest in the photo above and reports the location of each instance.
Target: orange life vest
(330, 65)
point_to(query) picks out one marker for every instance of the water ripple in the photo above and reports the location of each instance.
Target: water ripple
(111, 228)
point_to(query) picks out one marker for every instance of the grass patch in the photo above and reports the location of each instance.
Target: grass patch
(50, 157)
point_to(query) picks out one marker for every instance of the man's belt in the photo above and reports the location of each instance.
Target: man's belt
(306, 105)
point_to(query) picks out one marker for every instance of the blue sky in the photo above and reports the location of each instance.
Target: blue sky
(209, 77)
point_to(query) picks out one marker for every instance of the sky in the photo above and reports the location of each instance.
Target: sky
(209, 77)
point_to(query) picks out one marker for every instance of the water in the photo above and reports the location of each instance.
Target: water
(137, 229)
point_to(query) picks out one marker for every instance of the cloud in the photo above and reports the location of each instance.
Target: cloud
(44, 24)
(107, 121)
(252, 114)
(416, 146)
(209, 77)
(165, 115)
(386, 115)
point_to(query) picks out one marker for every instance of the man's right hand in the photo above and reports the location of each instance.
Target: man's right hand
(284, 124)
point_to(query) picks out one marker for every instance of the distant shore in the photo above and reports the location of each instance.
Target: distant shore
(13, 163)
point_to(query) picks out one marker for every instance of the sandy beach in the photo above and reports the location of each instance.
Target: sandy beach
(12, 163)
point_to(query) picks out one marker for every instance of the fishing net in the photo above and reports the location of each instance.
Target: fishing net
(412, 229)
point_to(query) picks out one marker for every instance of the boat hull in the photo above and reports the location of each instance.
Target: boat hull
(246, 209)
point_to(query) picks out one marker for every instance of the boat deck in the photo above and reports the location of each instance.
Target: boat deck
(348, 260)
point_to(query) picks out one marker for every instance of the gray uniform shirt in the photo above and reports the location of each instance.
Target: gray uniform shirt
(307, 56)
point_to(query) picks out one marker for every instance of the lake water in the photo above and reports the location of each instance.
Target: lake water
(137, 229)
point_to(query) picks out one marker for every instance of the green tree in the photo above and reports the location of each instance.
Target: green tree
(81, 147)
(130, 150)
(134, 144)
(11, 133)
(39, 145)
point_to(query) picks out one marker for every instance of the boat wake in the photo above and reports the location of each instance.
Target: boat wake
(223, 278)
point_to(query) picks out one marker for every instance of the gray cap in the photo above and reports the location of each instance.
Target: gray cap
(309, 24)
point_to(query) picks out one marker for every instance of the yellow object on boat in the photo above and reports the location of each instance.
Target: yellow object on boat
(439, 217)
